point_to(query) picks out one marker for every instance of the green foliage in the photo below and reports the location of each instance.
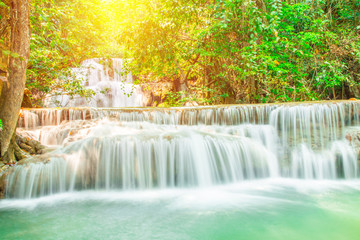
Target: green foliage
(249, 51)
(1, 125)
(221, 51)
(64, 33)
(2, 4)
(177, 99)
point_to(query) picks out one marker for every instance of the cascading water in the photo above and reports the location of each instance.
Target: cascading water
(112, 87)
(186, 147)
(128, 158)
(278, 171)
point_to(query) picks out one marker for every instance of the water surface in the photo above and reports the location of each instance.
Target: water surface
(261, 209)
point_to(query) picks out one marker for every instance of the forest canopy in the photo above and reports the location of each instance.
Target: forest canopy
(207, 51)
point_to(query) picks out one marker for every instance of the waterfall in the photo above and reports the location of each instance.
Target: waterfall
(147, 148)
(112, 87)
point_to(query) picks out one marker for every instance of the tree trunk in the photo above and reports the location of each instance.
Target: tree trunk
(183, 78)
(12, 92)
(5, 36)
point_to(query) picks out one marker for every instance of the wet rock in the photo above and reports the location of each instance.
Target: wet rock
(4, 171)
(353, 136)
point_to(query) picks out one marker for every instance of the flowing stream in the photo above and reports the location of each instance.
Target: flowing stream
(277, 171)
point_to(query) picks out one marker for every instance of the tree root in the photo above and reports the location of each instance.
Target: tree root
(21, 147)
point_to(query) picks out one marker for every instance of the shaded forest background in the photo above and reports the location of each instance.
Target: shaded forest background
(210, 52)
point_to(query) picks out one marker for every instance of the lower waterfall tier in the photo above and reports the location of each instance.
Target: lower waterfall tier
(112, 155)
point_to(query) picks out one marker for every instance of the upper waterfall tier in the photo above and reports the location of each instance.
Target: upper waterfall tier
(112, 87)
(340, 113)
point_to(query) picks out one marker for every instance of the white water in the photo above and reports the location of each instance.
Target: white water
(112, 87)
(137, 149)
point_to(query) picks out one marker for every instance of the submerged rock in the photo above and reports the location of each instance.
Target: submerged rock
(353, 136)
